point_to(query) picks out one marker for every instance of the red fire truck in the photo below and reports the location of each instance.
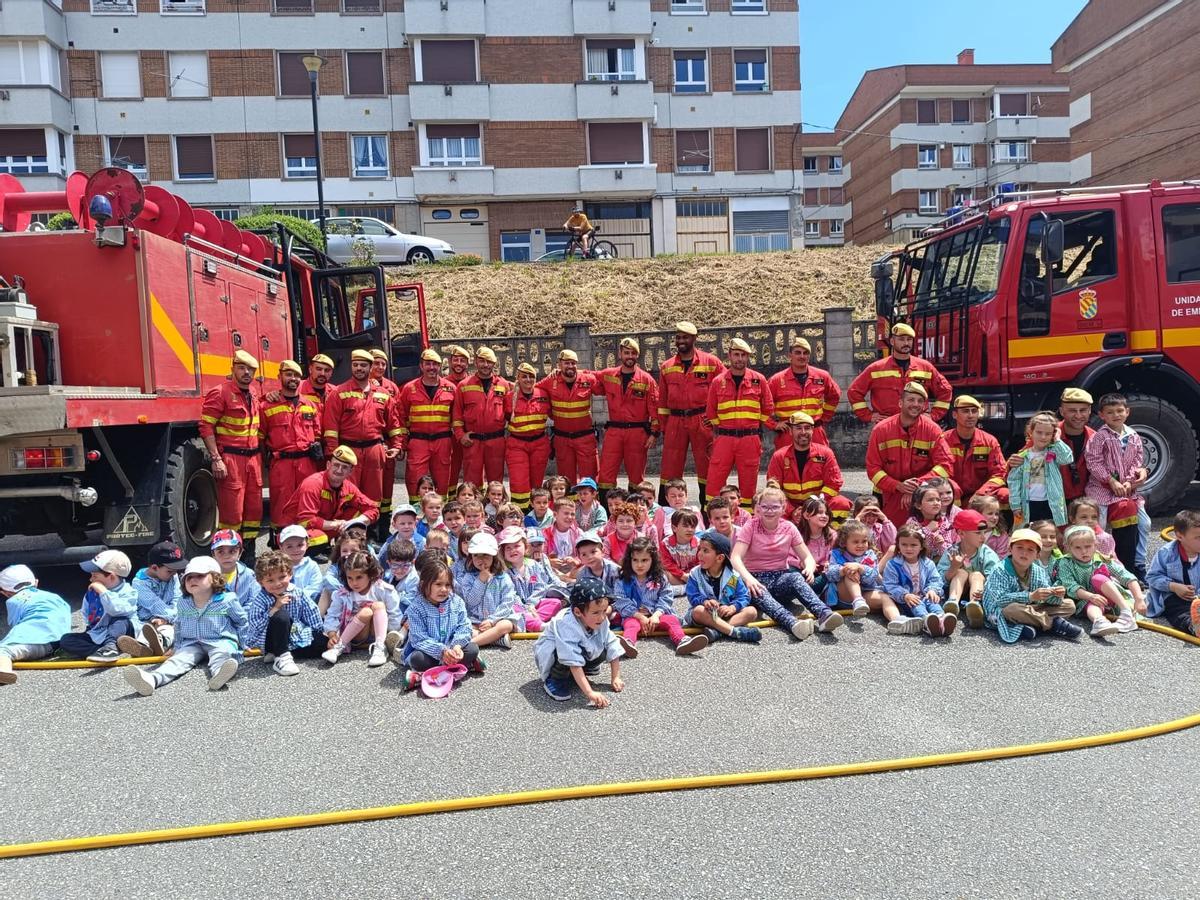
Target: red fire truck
(111, 334)
(1097, 288)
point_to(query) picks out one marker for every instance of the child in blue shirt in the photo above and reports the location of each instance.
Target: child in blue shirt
(239, 578)
(852, 574)
(404, 528)
(912, 581)
(306, 574)
(540, 514)
(589, 550)
(158, 596)
(36, 620)
(492, 604)
(282, 619)
(644, 601)
(109, 609)
(439, 632)
(1174, 576)
(574, 645)
(718, 599)
(431, 511)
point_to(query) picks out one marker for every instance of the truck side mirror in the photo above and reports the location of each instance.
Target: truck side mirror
(1052, 243)
(885, 293)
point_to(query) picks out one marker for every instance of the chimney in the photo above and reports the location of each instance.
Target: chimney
(967, 57)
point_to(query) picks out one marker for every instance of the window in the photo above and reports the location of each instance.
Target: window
(749, 70)
(120, 75)
(453, 145)
(690, 69)
(810, 164)
(301, 7)
(468, 214)
(226, 213)
(1012, 104)
(114, 7)
(837, 196)
(705, 208)
(30, 62)
(299, 156)
(928, 202)
(812, 197)
(693, 151)
(441, 215)
(557, 240)
(308, 213)
(448, 62)
(617, 210)
(188, 74)
(927, 156)
(23, 151)
(370, 155)
(610, 61)
(181, 7)
(761, 243)
(194, 158)
(1011, 151)
(364, 73)
(752, 149)
(615, 143)
(293, 77)
(962, 197)
(748, 6)
(837, 227)
(1089, 242)
(360, 6)
(835, 164)
(514, 246)
(812, 228)
(926, 112)
(1181, 235)
(128, 152)
(963, 158)
(687, 6)
(960, 111)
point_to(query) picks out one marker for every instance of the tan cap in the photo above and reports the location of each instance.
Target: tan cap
(1077, 395)
(346, 455)
(431, 355)
(964, 400)
(364, 355)
(486, 353)
(739, 344)
(901, 328)
(527, 369)
(1026, 534)
(568, 354)
(290, 365)
(800, 418)
(379, 354)
(628, 343)
(241, 356)
(798, 341)
(915, 387)
(323, 360)
(686, 328)
(455, 350)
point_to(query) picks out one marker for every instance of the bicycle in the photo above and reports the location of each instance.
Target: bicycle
(597, 250)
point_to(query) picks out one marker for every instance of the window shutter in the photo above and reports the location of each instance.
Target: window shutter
(610, 45)
(836, 196)
(760, 221)
(366, 74)
(131, 149)
(296, 146)
(447, 62)
(753, 149)
(812, 197)
(120, 75)
(749, 56)
(1014, 104)
(188, 74)
(451, 131)
(614, 143)
(22, 142)
(194, 154)
(692, 149)
(293, 77)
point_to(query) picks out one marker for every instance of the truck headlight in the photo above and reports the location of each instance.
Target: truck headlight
(995, 409)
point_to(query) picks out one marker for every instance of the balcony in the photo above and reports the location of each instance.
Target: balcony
(611, 17)
(598, 100)
(1013, 129)
(632, 178)
(33, 17)
(449, 102)
(437, 17)
(439, 181)
(36, 106)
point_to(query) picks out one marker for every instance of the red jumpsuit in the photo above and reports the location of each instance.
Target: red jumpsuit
(424, 423)
(737, 414)
(289, 428)
(528, 449)
(818, 396)
(884, 380)
(979, 466)
(389, 465)
(896, 454)
(574, 432)
(456, 449)
(480, 414)
(362, 419)
(230, 416)
(632, 417)
(821, 474)
(316, 503)
(682, 396)
(314, 398)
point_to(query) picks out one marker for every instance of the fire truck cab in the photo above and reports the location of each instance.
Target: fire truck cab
(1097, 288)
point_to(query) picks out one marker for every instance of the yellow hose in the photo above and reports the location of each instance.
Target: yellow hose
(613, 789)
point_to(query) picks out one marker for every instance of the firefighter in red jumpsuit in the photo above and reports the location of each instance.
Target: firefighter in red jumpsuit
(570, 391)
(979, 465)
(885, 378)
(632, 425)
(380, 370)
(229, 427)
(362, 417)
(803, 388)
(456, 371)
(423, 415)
(683, 383)
(739, 404)
(326, 502)
(478, 419)
(904, 450)
(528, 448)
(291, 428)
(316, 385)
(805, 468)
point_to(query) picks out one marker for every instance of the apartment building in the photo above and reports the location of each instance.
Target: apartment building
(826, 202)
(674, 121)
(923, 139)
(1134, 104)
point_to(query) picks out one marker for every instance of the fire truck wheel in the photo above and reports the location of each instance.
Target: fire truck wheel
(1171, 450)
(191, 499)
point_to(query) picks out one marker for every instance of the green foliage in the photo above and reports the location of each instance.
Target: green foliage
(302, 228)
(62, 221)
(460, 260)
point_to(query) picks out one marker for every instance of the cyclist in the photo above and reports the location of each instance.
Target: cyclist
(578, 225)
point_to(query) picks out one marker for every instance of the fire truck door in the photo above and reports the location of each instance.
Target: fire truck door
(340, 328)
(1072, 308)
(1177, 271)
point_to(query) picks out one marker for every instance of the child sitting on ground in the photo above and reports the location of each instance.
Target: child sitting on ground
(495, 496)
(109, 609)
(473, 517)
(852, 576)
(558, 486)
(227, 551)
(812, 518)
(208, 629)
(644, 601)
(592, 564)
(966, 565)
(536, 586)
(1174, 576)
(439, 632)
(997, 535)
(365, 600)
(439, 539)
(741, 515)
(561, 538)
(678, 551)
(462, 559)
(912, 581)
(158, 595)
(614, 498)
(404, 528)
(881, 529)
(282, 619)
(589, 514)
(1047, 531)
(720, 517)
(540, 515)
(509, 515)
(1086, 511)
(1097, 585)
(927, 517)
(675, 492)
(621, 530)
(452, 518)
(466, 491)
(718, 601)
(345, 545)
(37, 619)
(575, 644)
(492, 604)
(306, 574)
(1019, 600)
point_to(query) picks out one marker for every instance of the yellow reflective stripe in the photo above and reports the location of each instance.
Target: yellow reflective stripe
(922, 445)
(582, 414)
(751, 405)
(393, 432)
(801, 403)
(830, 407)
(919, 375)
(402, 431)
(956, 451)
(570, 404)
(888, 445)
(829, 490)
(878, 477)
(886, 373)
(236, 432)
(331, 434)
(664, 411)
(428, 407)
(861, 404)
(996, 480)
(353, 395)
(811, 484)
(938, 470)
(465, 388)
(211, 420)
(278, 410)
(941, 404)
(236, 420)
(537, 417)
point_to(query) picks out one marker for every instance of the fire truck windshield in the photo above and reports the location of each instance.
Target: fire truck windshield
(951, 270)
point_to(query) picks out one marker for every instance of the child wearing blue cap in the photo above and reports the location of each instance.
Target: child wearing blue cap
(574, 645)
(590, 515)
(719, 602)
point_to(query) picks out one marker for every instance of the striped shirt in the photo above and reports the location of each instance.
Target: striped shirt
(1004, 587)
(432, 629)
(222, 619)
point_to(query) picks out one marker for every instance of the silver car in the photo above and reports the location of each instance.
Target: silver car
(391, 246)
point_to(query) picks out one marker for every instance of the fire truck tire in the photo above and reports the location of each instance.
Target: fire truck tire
(190, 495)
(1171, 450)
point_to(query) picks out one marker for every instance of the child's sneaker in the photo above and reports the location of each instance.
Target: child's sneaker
(1127, 622)
(139, 680)
(690, 645)
(1103, 628)
(412, 680)
(904, 625)
(951, 606)
(480, 666)
(1028, 633)
(713, 635)
(331, 655)
(228, 670)
(745, 633)
(933, 625)
(1064, 629)
(394, 643)
(830, 621)
(378, 656)
(860, 608)
(803, 629)
(505, 641)
(949, 623)
(154, 641)
(974, 613)
(631, 651)
(285, 665)
(558, 688)
(131, 646)
(106, 654)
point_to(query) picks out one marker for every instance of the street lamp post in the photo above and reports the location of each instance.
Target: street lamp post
(313, 64)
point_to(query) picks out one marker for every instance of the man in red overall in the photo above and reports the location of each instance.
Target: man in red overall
(528, 448)
(229, 428)
(805, 468)
(380, 370)
(884, 379)
(903, 450)
(291, 428)
(739, 403)
(570, 391)
(803, 388)
(683, 383)
(316, 385)
(478, 420)
(326, 502)
(458, 360)
(362, 417)
(423, 416)
(979, 465)
(632, 425)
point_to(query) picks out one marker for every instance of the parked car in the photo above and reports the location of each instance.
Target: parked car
(392, 247)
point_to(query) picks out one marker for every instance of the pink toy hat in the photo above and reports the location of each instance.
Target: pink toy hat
(437, 682)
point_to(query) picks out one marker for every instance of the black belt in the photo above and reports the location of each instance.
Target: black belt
(738, 432)
(238, 451)
(292, 454)
(527, 437)
(642, 425)
(695, 411)
(572, 434)
(490, 436)
(431, 436)
(362, 445)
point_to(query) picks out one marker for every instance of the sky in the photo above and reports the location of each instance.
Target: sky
(842, 39)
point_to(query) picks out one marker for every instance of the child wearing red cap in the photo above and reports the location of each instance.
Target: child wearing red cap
(966, 565)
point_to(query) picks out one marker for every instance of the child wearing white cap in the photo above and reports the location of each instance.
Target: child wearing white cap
(492, 604)
(306, 574)
(109, 609)
(36, 620)
(208, 630)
